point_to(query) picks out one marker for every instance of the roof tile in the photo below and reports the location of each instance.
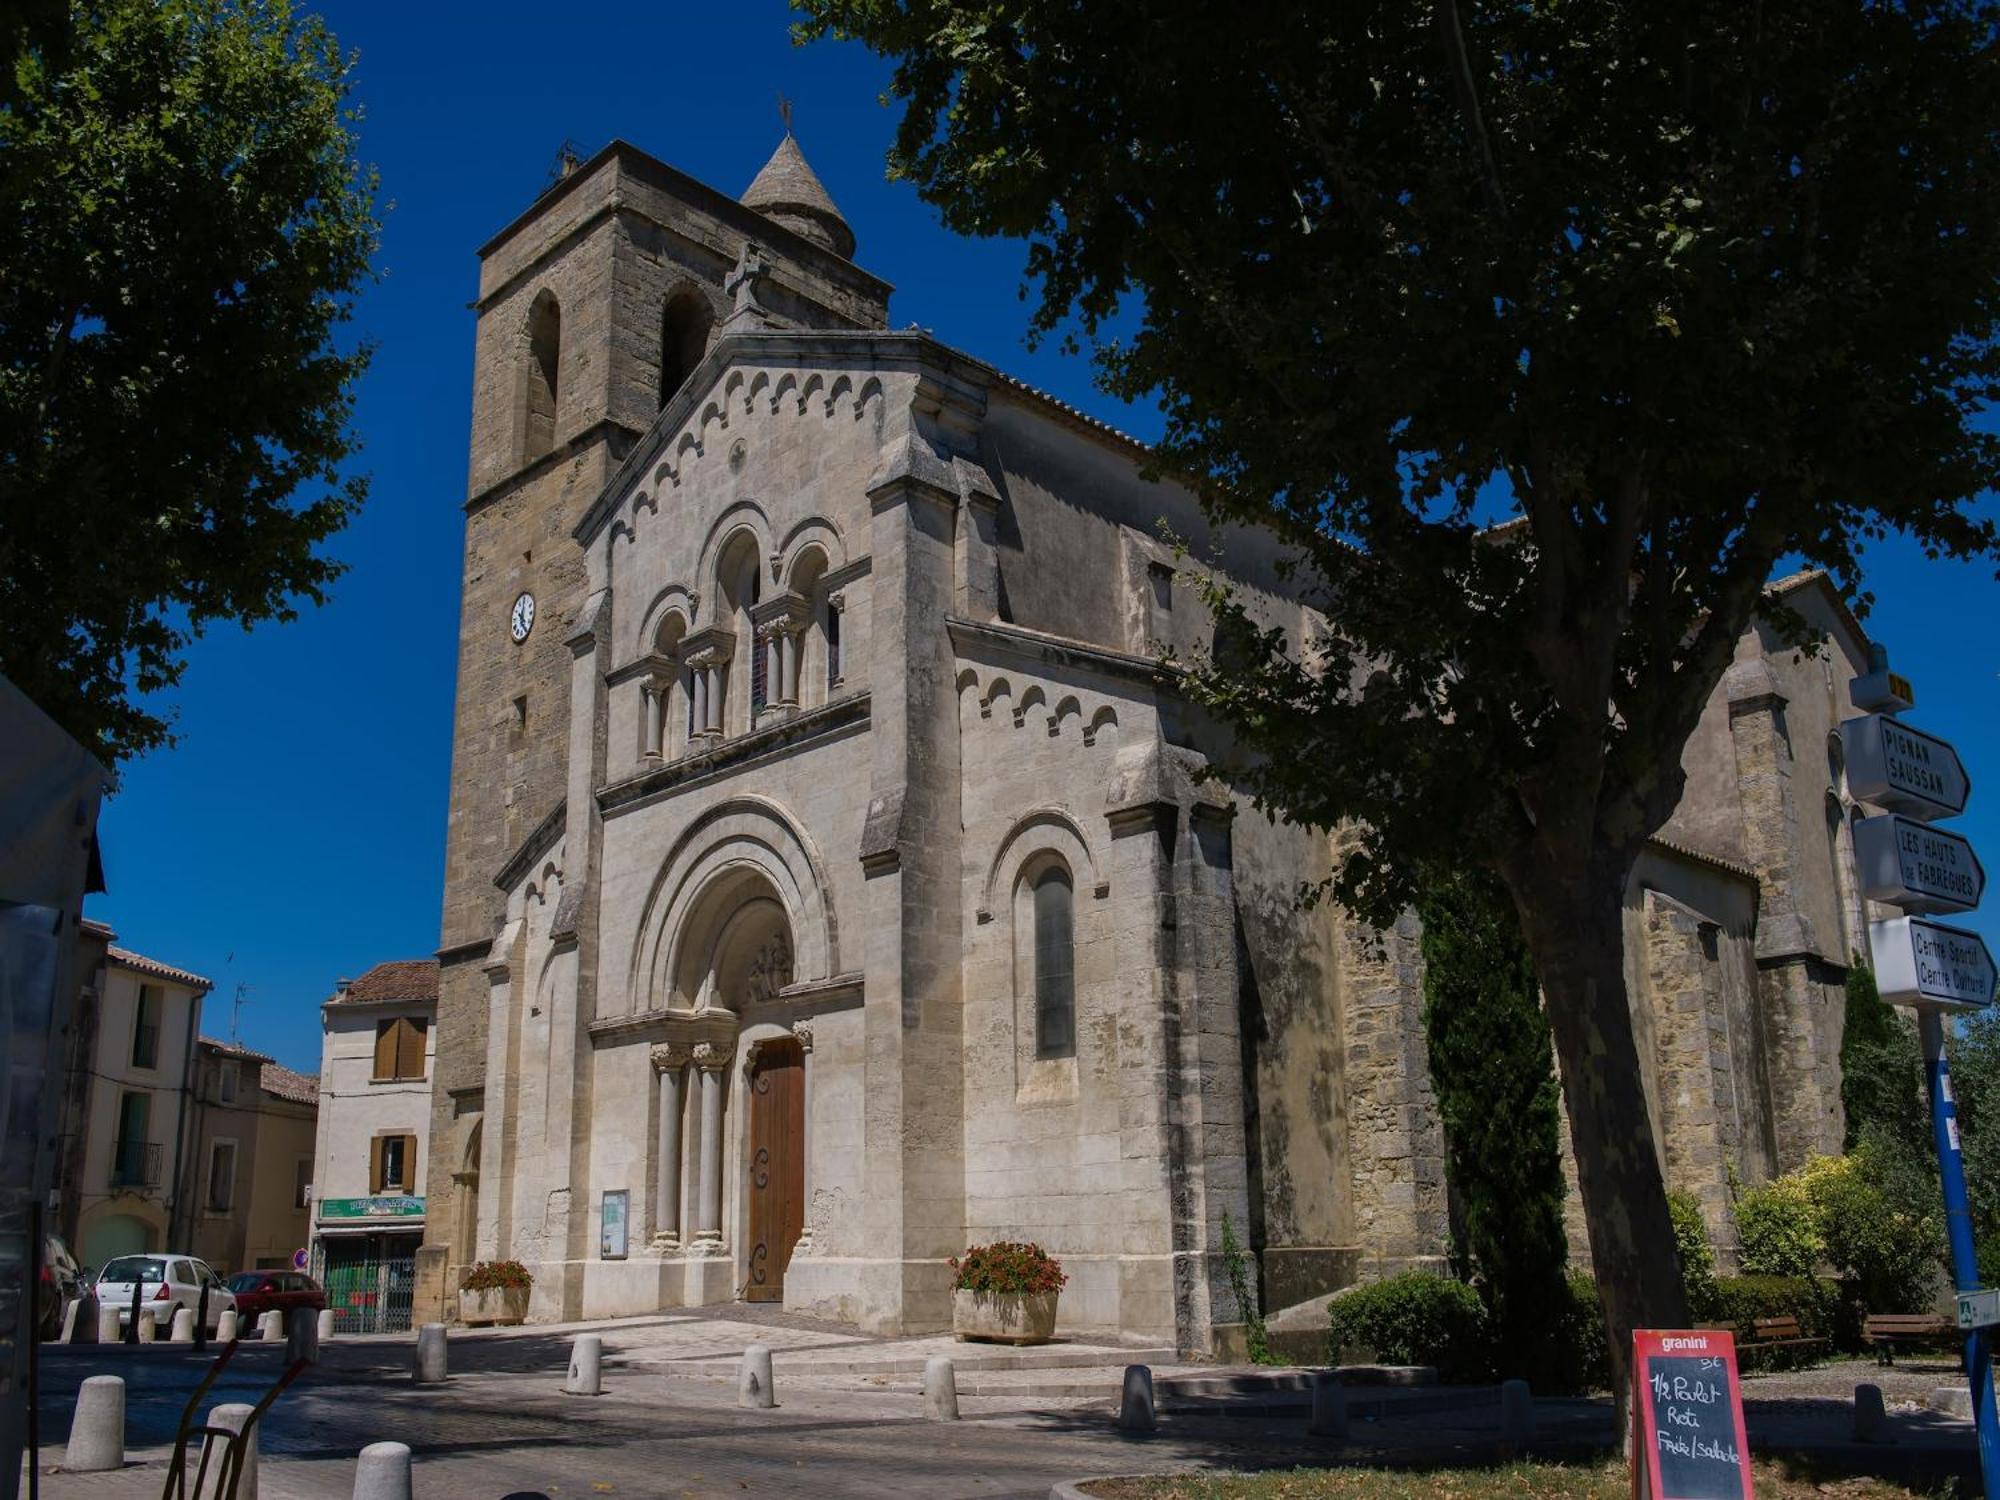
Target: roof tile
(397, 979)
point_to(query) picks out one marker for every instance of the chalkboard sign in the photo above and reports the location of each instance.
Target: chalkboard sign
(1687, 1411)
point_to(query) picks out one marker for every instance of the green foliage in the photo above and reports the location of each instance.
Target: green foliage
(1740, 1300)
(1838, 1212)
(496, 1275)
(1881, 1069)
(1236, 1266)
(1414, 1319)
(1581, 1323)
(1697, 1256)
(184, 226)
(1686, 292)
(1493, 1076)
(1007, 1266)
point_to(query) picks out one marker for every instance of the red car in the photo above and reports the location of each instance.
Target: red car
(259, 1292)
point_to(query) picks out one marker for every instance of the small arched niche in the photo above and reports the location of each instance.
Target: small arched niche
(542, 377)
(739, 579)
(685, 320)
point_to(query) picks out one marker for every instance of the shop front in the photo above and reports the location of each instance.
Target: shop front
(365, 1255)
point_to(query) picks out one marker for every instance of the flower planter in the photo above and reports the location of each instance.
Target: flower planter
(1004, 1317)
(500, 1304)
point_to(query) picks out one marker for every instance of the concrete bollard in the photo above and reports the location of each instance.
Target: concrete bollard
(940, 1389)
(1517, 1413)
(97, 1430)
(271, 1325)
(1329, 1407)
(146, 1326)
(430, 1368)
(70, 1320)
(183, 1325)
(302, 1336)
(383, 1472)
(753, 1379)
(228, 1326)
(1136, 1412)
(236, 1415)
(1870, 1416)
(83, 1320)
(110, 1327)
(1953, 1401)
(326, 1325)
(586, 1366)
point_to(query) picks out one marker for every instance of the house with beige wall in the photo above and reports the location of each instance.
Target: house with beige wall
(254, 1130)
(368, 1212)
(124, 1149)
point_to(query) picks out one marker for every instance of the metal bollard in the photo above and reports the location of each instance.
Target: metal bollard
(940, 1389)
(430, 1368)
(132, 1334)
(201, 1319)
(237, 1416)
(301, 1336)
(753, 1379)
(1136, 1410)
(1870, 1416)
(97, 1430)
(1329, 1408)
(586, 1366)
(383, 1472)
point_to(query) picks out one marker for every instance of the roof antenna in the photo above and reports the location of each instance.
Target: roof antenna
(568, 159)
(785, 112)
(236, 1010)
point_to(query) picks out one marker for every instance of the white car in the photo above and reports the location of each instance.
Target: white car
(166, 1283)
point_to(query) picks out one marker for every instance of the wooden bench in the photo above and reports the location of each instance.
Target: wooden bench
(1884, 1331)
(1767, 1335)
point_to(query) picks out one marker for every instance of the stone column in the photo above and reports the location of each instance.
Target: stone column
(668, 1062)
(712, 1061)
(656, 709)
(713, 723)
(788, 657)
(698, 687)
(803, 1031)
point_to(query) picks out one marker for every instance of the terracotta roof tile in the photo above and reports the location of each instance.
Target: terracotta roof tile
(398, 979)
(300, 1088)
(140, 964)
(234, 1049)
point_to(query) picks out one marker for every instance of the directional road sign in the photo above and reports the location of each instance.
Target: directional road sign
(1903, 769)
(1915, 866)
(1920, 962)
(1980, 1309)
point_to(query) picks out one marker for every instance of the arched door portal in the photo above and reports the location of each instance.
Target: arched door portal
(777, 1163)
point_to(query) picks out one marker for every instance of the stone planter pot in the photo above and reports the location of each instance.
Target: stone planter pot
(1004, 1317)
(508, 1304)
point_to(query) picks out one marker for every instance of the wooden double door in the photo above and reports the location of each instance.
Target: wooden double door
(777, 1166)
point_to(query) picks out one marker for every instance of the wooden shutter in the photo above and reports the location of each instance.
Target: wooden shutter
(410, 1164)
(410, 1047)
(385, 1049)
(375, 1165)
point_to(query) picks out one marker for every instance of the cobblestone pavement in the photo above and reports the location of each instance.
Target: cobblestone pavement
(668, 1425)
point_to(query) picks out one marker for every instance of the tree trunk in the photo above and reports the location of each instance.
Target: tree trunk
(1573, 921)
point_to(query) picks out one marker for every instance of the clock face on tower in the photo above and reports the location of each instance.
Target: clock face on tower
(523, 619)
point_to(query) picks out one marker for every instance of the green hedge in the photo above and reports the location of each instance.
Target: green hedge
(1414, 1319)
(1826, 1309)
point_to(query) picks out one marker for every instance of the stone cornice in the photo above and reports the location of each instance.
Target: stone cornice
(608, 428)
(533, 847)
(767, 739)
(1056, 650)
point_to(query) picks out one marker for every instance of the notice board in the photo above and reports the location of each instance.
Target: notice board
(1687, 1416)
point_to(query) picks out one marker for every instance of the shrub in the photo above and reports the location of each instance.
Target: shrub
(496, 1275)
(1586, 1347)
(1008, 1266)
(1696, 1254)
(1414, 1319)
(1853, 1213)
(1777, 1230)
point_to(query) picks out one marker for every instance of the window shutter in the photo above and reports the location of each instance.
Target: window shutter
(375, 1165)
(385, 1049)
(410, 1164)
(410, 1047)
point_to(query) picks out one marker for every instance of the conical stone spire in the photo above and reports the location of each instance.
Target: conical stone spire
(788, 192)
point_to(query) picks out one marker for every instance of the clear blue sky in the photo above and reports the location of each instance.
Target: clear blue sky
(296, 833)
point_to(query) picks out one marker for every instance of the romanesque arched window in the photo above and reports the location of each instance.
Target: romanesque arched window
(1055, 962)
(541, 381)
(684, 324)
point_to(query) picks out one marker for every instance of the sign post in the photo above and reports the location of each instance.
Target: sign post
(1918, 779)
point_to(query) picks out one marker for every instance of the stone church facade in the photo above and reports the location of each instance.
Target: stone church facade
(830, 882)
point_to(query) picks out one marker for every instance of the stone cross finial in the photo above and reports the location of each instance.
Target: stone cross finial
(741, 284)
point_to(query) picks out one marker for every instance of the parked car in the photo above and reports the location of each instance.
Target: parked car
(259, 1292)
(62, 1284)
(167, 1282)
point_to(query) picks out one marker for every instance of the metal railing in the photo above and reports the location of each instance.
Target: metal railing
(135, 1164)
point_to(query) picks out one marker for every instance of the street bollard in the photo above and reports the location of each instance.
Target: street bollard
(1136, 1412)
(326, 1325)
(183, 1330)
(228, 1326)
(70, 1320)
(1870, 1416)
(753, 1379)
(430, 1368)
(237, 1417)
(302, 1336)
(132, 1334)
(271, 1325)
(1329, 1408)
(383, 1472)
(201, 1319)
(97, 1430)
(1517, 1413)
(940, 1389)
(586, 1366)
(87, 1323)
(148, 1326)
(110, 1328)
